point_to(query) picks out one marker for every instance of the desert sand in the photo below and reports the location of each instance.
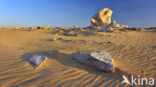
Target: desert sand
(134, 53)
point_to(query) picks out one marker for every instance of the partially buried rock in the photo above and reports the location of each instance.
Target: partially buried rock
(37, 59)
(55, 39)
(100, 60)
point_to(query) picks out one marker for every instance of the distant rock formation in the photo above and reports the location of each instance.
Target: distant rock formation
(75, 26)
(103, 19)
(47, 26)
(39, 27)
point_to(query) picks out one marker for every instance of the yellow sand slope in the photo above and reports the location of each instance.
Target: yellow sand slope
(134, 52)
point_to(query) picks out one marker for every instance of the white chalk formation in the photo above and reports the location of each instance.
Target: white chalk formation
(103, 19)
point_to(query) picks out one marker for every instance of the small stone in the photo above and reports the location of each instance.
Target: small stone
(141, 72)
(154, 47)
(147, 58)
(59, 38)
(54, 39)
(49, 52)
(37, 59)
(108, 42)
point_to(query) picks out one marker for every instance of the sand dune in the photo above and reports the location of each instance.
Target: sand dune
(134, 53)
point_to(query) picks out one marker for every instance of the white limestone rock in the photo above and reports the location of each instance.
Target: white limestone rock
(103, 17)
(37, 59)
(100, 60)
(102, 56)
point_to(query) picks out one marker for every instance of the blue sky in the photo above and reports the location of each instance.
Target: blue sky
(19, 13)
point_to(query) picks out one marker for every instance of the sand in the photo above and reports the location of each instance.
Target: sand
(134, 53)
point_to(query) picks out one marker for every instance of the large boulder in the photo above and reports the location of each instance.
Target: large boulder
(100, 60)
(103, 17)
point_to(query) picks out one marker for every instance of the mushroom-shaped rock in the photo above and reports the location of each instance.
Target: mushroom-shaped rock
(37, 59)
(103, 17)
(100, 60)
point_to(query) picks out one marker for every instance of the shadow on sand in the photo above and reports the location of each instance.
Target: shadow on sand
(67, 60)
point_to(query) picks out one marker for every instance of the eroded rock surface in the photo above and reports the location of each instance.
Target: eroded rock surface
(103, 17)
(100, 60)
(37, 59)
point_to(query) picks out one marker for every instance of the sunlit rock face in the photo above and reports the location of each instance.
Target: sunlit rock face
(103, 17)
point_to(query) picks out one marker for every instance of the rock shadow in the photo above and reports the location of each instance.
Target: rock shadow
(67, 60)
(27, 56)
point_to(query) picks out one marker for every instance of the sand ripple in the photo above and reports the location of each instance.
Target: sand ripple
(133, 52)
